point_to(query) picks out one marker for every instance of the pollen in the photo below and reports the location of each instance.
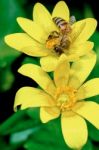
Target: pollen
(51, 43)
(65, 98)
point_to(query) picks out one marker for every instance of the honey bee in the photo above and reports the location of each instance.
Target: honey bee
(60, 41)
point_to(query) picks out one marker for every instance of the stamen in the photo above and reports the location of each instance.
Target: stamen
(66, 98)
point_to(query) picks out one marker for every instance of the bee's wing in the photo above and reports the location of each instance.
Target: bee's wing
(72, 20)
(76, 32)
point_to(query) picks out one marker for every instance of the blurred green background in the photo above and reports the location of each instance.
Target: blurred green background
(23, 130)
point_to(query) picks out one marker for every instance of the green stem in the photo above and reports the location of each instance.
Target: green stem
(10, 122)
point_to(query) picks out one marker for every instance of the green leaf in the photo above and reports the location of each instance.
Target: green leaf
(21, 2)
(23, 125)
(7, 56)
(48, 137)
(22, 136)
(11, 122)
(32, 60)
(88, 146)
(34, 114)
(9, 11)
(6, 79)
(4, 145)
(93, 132)
(88, 11)
(95, 39)
(96, 147)
(77, 13)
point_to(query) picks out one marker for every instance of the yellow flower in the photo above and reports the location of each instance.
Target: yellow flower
(44, 38)
(64, 95)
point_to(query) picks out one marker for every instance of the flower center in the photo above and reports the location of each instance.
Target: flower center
(66, 98)
(60, 41)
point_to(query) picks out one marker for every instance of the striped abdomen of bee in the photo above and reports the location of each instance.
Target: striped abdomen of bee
(62, 24)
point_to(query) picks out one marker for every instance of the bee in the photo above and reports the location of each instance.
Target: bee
(60, 41)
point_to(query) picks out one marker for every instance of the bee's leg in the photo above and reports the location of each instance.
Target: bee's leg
(55, 33)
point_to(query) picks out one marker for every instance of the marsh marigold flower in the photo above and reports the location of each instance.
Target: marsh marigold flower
(64, 95)
(48, 36)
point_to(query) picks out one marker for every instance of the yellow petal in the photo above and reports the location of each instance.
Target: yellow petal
(32, 97)
(61, 10)
(89, 111)
(81, 49)
(37, 74)
(33, 29)
(61, 73)
(89, 89)
(49, 63)
(74, 131)
(81, 69)
(47, 114)
(22, 42)
(72, 57)
(82, 30)
(43, 18)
